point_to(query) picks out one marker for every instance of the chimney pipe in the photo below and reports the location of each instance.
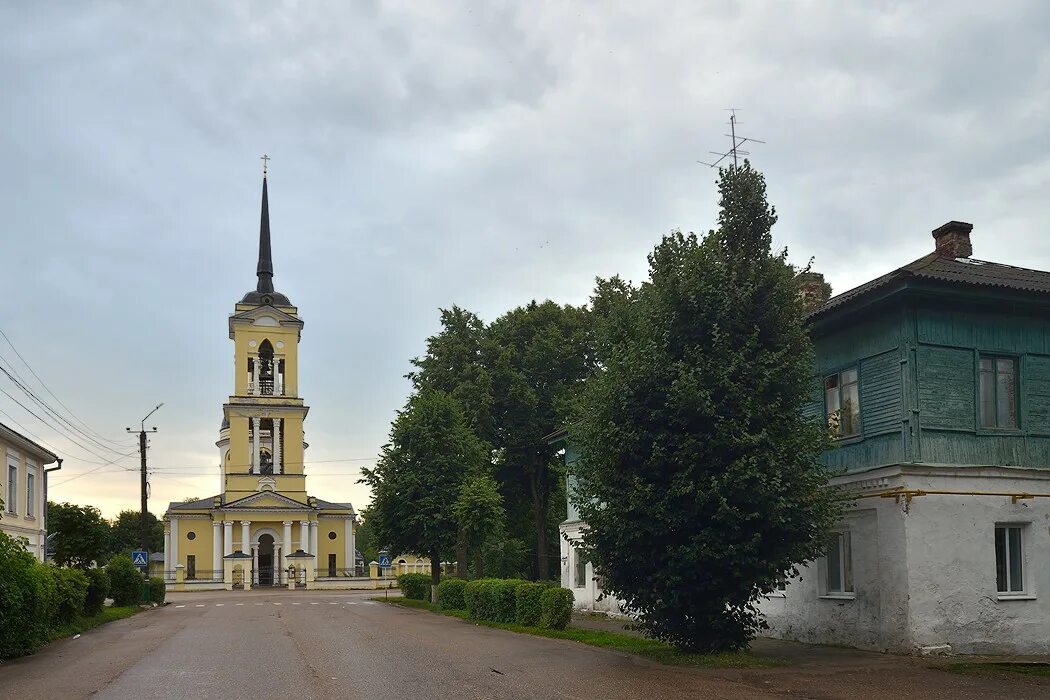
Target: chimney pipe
(813, 290)
(953, 239)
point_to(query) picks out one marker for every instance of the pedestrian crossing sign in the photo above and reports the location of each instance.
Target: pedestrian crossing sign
(139, 558)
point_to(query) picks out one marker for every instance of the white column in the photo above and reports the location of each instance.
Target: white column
(255, 567)
(304, 535)
(245, 537)
(313, 539)
(167, 553)
(278, 566)
(255, 377)
(255, 467)
(348, 540)
(227, 540)
(216, 548)
(277, 456)
(174, 543)
(288, 537)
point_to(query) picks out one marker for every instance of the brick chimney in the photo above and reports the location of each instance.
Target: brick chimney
(953, 239)
(813, 290)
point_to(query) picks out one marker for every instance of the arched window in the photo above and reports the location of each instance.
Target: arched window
(266, 368)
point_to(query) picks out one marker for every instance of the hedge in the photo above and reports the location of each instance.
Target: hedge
(450, 594)
(555, 608)
(97, 591)
(527, 603)
(156, 590)
(125, 580)
(414, 586)
(71, 586)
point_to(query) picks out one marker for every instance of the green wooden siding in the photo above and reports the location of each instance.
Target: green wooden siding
(947, 394)
(881, 405)
(1035, 378)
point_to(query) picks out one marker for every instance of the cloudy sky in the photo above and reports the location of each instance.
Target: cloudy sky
(426, 154)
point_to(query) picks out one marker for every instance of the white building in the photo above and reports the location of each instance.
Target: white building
(25, 491)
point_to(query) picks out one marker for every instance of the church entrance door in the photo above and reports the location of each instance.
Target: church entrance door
(265, 562)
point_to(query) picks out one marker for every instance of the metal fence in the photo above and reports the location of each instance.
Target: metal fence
(337, 572)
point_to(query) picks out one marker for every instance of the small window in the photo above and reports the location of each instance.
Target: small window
(30, 492)
(12, 488)
(1009, 559)
(581, 570)
(332, 535)
(842, 403)
(998, 392)
(191, 535)
(839, 564)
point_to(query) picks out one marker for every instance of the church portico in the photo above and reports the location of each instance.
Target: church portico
(263, 528)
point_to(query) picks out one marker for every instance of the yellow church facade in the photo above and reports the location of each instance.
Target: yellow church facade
(263, 529)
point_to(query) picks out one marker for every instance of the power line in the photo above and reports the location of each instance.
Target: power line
(53, 395)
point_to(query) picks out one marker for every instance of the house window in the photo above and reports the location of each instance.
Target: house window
(30, 492)
(12, 488)
(1009, 558)
(581, 570)
(839, 564)
(842, 403)
(998, 392)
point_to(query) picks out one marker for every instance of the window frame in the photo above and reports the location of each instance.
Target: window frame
(1025, 592)
(837, 376)
(994, 357)
(847, 587)
(30, 508)
(579, 572)
(11, 504)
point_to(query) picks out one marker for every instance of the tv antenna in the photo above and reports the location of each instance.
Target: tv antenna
(737, 142)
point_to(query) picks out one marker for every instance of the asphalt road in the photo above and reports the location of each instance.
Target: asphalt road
(341, 645)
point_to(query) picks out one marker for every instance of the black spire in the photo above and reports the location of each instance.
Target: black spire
(265, 267)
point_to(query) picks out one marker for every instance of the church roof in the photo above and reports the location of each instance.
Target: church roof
(264, 294)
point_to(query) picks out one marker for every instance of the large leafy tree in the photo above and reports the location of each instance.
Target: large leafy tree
(82, 535)
(538, 357)
(479, 512)
(699, 474)
(418, 478)
(127, 532)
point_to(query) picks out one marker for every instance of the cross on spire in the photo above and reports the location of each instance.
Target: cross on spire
(266, 162)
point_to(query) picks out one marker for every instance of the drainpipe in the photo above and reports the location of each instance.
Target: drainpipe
(44, 529)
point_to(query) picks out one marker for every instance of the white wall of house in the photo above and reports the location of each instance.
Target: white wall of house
(924, 571)
(585, 588)
(22, 490)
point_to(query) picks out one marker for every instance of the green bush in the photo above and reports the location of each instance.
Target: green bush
(414, 586)
(156, 590)
(527, 603)
(556, 608)
(472, 596)
(97, 591)
(125, 580)
(450, 594)
(27, 599)
(504, 603)
(71, 587)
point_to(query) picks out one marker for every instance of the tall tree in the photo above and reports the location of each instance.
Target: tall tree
(538, 357)
(82, 535)
(479, 512)
(699, 474)
(127, 532)
(417, 480)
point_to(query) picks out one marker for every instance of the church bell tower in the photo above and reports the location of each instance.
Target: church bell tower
(264, 415)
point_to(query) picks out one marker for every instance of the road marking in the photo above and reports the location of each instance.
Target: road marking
(296, 603)
(276, 603)
(314, 603)
(219, 605)
(258, 603)
(240, 603)
(333, 603)
(349, 603)
(201, 605)
(180, 606)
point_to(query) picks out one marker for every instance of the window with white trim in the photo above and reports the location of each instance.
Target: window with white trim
(838, 575)
(12, 488)
(997, 391)
(30, 492)
(1009, 559)
(842, 403)
(581, 569)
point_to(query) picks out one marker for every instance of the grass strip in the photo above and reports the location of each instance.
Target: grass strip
(998, 669)
(83, 624)
(655, 650)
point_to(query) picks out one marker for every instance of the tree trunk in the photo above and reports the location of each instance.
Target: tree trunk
(538, 482)
(435, 576)
(461, 557)
(479, 564)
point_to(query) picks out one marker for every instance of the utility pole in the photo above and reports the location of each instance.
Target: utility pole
(145, 484)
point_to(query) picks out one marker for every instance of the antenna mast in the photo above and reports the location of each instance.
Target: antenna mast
(736, 142)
